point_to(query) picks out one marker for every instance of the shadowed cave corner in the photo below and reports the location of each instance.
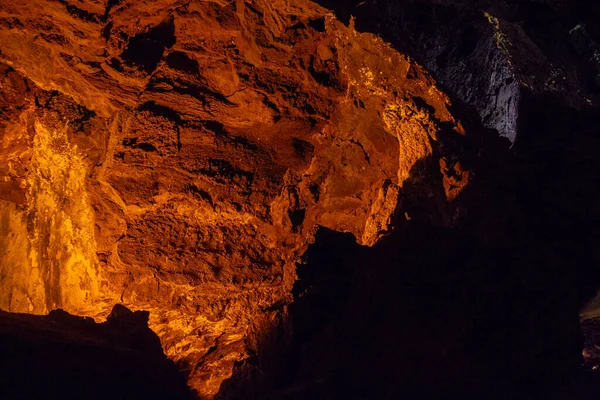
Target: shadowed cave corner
(457, 302)
(478, 297)
(63, 356)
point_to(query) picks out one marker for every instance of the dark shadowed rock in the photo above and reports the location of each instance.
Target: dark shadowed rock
(62, 356)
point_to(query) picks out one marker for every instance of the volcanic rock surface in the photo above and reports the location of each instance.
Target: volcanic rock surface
(178, 156)
(295, 200)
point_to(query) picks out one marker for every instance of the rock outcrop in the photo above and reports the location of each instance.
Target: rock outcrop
(178, 157)
(62, 356)
(293, 197)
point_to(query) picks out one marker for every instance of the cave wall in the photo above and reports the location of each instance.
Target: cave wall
(480, 298)
(177, 157)
(293, 197)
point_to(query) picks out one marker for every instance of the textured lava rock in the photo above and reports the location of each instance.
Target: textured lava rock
(178, 157)
(486, 307)
(495, 56)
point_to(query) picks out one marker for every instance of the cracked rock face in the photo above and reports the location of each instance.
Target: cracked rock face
(297, 203)
(178, 157)
(496, 57)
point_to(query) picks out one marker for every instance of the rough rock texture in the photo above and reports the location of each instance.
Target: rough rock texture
(491, 55)
(62, 356)
(180, 156)
(591, 350)
(487, 306)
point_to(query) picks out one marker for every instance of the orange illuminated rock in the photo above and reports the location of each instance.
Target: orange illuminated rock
(177, 158)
